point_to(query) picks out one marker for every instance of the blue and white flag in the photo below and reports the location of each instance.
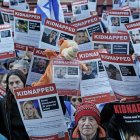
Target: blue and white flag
(50, 9)
(122, 3)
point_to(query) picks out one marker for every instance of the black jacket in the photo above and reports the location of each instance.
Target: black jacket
(11, 125)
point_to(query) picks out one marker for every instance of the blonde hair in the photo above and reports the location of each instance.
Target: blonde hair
(35, 113)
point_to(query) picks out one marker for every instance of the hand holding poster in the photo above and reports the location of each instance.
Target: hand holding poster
(41, 112)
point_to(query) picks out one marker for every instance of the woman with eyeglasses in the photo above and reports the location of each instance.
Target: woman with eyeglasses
(11, 125)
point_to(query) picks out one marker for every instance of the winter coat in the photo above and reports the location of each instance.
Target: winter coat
(11, 125)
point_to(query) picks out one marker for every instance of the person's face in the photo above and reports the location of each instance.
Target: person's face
(29, 110)
(15, 83)
(80, 38)
(75, 100)
(100, 46)
(116, 21)
(3, 81)
(136, 37)
(89, 70)
(42, 63)
(134, 138)
(87, 125)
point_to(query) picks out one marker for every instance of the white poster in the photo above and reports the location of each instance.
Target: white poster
(66, 76)
(6, 39)
(114, 43)
(134, 32)
(41, 113)
(18, 5)
(27, 28)
(94, 83)
(38, 66)
(53, 31)
(122, 74)
(83, 8)
(117, 20)
(85, 28)
(8, 17)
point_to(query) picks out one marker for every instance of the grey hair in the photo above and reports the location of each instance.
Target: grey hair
(23, 63)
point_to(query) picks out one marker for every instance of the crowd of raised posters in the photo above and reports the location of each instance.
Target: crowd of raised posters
(108, 46)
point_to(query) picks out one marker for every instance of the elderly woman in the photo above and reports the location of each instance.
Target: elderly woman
(87, 118)
(29, 111)
(11, 124)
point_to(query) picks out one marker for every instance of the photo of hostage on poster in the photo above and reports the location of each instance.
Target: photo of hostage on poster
(30, 109)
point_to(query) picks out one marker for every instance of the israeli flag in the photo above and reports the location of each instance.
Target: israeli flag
(50, 9)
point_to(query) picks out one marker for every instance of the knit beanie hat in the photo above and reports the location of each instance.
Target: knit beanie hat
(87, 109)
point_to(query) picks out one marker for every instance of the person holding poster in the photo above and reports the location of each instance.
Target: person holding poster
(11, 124)
(87, 118)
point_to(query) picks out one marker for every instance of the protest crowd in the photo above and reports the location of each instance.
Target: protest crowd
(70, 70)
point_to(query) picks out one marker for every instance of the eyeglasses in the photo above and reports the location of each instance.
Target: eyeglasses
(76, 99)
